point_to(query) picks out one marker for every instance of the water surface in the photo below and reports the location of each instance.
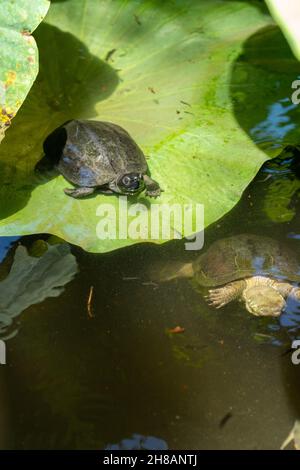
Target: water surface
(76, 381)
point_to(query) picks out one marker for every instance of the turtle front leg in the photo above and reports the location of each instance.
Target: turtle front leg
(284, 288)
(223, 295)
(152, 187)
(79, 193)
(295, 293)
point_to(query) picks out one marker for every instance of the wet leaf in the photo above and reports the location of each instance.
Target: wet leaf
(169, 73)
(19, 55)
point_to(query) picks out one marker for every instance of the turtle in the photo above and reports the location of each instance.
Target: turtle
(255, 269)
(97, 155)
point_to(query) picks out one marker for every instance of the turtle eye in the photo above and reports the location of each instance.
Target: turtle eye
(126, 181)
(131, 183)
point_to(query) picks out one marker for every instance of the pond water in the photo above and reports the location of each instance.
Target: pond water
(111, 375)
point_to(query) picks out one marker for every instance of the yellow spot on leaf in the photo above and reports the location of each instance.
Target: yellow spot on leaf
(10, 78)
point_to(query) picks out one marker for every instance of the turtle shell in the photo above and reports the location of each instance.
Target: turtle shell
(244, 256)
(93, 153)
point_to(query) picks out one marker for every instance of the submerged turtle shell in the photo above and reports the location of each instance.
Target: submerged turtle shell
(244, 256)
(93, 153)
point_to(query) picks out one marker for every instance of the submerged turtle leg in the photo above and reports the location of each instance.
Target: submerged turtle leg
(78, 193)
(223, 295)
(152, 187)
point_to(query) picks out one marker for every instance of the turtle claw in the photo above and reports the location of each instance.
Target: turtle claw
(217, 297)
(152, 187)
(216, 304)
(153, 192)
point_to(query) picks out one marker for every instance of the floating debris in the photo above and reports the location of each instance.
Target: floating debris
(225, 419)
(294, 435)
(150, 283)
(89, 303)
(176, 330)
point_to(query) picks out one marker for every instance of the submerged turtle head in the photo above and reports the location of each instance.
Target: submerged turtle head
(263, 301)
(130, 183)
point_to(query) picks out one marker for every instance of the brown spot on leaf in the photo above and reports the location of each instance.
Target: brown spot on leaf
(185, 103)
(109, 55)
(6, 115)
(137, 20)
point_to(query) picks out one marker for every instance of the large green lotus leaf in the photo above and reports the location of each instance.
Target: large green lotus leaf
(18, 53)
(166, 71)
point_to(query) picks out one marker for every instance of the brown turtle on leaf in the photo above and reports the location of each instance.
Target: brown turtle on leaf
(255, 269)
(95, 155)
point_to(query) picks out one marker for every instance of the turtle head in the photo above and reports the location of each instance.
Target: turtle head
(263, 301)
(130, 183)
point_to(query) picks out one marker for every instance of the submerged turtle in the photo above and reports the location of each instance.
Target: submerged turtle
(97, 155)
(252, 268)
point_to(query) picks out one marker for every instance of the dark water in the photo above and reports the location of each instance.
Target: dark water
(119, 378)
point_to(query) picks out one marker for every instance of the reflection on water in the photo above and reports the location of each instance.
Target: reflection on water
(5, 244)
(138, 442)
(277, 124)
(120, 377)
(282, 191)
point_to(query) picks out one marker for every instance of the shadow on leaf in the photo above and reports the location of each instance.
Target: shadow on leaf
(70, 82)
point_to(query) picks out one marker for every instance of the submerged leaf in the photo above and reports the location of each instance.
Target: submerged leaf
(181, 77)
(280, 194)
(18, 56)
(32, 279)
(283, 186)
